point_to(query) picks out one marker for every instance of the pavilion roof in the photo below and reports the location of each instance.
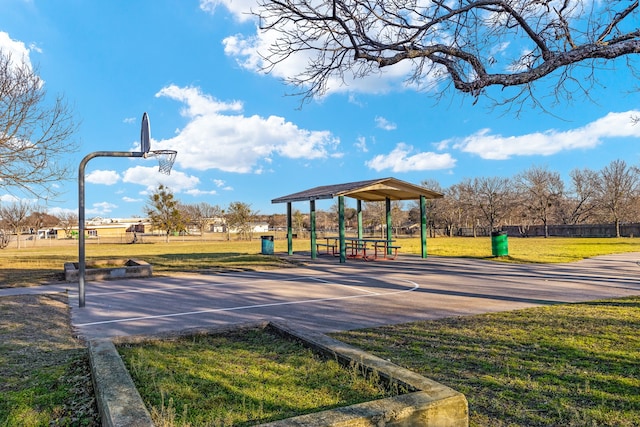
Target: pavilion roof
(373, 190)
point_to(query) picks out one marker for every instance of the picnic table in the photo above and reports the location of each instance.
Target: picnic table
(358, 248)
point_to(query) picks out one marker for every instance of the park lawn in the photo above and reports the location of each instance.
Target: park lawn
(524, 250)
(32, 265)
(569, 365)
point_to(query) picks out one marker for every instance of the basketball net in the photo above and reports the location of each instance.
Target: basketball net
(166, 158)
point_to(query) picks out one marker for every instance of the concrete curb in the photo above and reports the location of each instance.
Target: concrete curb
(428, 403)
(119, 402)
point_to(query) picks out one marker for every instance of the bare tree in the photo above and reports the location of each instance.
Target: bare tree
(541, 191)
(164, 213)
(619, 187)
(350, 214)
(398, 216)
(34, 136)
(494, 198)
(580, 204)
(374, 216)
(202, 215)
(452, 207)
(15, 216)
(469, 203)
(298, 221)
(472, 45)
(68, 220)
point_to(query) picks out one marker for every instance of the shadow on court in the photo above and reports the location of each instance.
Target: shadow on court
(329, 296)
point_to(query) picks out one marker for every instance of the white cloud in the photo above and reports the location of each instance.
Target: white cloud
(58, 211)
(250, 53)
(100, 209)
(129, 120)
(128, 199)
(178, 181)
(385, 124)
(234, 142)
(404, 158)
(8, 198)
(196, 192)
(498, 147)
(103, 177)
(18, 51)
(361, 144)
(239, 8)
(220, 183)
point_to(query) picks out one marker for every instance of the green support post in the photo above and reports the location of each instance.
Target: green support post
(423, 225)
(359, 211)
(312, 226)
(387, 203)
(289, 230)
(341, 230)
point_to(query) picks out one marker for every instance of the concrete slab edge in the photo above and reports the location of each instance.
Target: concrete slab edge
(118, 400)
(428, 403)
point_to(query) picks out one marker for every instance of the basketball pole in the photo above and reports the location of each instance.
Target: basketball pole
(81, 216)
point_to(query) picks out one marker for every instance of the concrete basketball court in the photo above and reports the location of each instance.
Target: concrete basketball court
(328, 296)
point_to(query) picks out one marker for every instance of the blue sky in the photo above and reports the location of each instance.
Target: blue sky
(191, 65)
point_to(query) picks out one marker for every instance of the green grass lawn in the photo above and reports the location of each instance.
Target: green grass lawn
(34, 265)
(240, 379)
(564, 365)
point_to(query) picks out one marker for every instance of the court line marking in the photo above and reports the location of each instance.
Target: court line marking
(246, 307)
(215, 284)
(344, 286)
(187, 287)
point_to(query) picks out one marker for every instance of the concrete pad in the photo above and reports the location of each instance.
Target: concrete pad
(328, 296)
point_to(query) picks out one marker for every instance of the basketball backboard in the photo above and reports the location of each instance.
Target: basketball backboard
(145, 134)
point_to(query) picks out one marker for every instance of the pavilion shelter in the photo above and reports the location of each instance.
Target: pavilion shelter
(375, 190)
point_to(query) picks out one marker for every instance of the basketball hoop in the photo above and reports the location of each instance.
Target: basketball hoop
(165, 159)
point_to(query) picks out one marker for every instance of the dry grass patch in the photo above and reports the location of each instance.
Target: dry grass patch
(45, 378)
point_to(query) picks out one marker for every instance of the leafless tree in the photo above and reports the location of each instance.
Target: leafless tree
(619, 187)
(202, 215)
(350, 214)
(34, 134)
(494, 198)
(471, 45)
(374, 216)
(469, 205)
(580, 203)
(540, 191)
(68, 220)
(298, 222)
(398, 216)
(14, 216)
(452, 208)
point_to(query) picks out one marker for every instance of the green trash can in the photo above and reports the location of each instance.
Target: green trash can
(499, 243)
(267, 245)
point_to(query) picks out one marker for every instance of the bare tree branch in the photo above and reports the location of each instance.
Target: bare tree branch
(472, 44)
(34, 136)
